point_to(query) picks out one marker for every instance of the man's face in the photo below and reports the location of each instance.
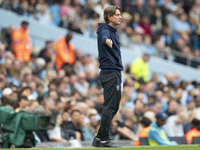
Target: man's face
(23, 103)
(68, 37)
(75, 117)
(116, 18)
(24, 26)
(93, 121)
(160, 122)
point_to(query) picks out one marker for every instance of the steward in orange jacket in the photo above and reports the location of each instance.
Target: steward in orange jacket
(21, 42)
(194, 132)
(144, 132)
(64, 51)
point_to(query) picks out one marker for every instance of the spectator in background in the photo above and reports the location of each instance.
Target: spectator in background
(119, 130)
(156, 21)
(47, 53)
(165, 9)
(93, 124)
(167, 54)
(147, 46)
(150, 7)
(102, 4)
(93, 24)
(74, 19)
(64, 51)
(194, 22)
(139, 8)
(165, 36)
(193, 132)
(24, 9)
(160, 98)
(21, 42)
(54, 10)
(6, 36)
(172, 107)
(146, 127)
(156, 134)
(5, 5)
(181, 28)
(65, 9)
(127, 5)
(145, 24)
(73, 128)
(145, 122)
(43, 15)
(91, 69)
(134, 24)
(40, 68)
(139, 68)
(55, 133)
(138, 109)
(9, 98)
(25, 91)
(23, 102)
(174, 125)
(81, 85)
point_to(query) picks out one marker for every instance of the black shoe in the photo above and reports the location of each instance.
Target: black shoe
(96, 142)
(107, 144)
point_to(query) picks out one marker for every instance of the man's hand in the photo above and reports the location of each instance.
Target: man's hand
(109, 42)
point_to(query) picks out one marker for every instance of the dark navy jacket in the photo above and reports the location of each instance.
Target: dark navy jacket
(109, 58)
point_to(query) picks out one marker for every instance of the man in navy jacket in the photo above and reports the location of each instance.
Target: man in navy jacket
(110, 75)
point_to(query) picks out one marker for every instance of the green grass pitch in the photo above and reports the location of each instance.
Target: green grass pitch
(178, 147)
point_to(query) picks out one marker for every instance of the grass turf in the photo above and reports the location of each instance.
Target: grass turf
(178, 147)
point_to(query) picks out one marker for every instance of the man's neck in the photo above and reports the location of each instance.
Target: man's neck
(158, 124)
(112, 25)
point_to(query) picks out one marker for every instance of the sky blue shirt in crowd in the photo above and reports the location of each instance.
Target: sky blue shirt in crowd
(153, 135)
(179, 25)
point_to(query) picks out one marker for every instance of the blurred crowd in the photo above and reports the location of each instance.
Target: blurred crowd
(155, 26)
(63, 82)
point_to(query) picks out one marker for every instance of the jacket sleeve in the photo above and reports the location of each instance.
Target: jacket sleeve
(153, 135)
(105, 34)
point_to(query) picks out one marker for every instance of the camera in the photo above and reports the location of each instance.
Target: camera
(17, 127)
